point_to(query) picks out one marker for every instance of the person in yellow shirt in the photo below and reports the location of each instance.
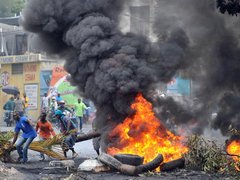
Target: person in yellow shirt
(25, 100)
(79, 110)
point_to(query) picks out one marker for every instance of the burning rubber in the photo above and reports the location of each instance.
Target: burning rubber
(129, 169)
(169, 166)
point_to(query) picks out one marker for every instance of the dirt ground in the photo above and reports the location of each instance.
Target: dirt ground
(36, 169)
(33, 171)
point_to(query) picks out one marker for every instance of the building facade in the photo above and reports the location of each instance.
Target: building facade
(137, 17)
(31, 74)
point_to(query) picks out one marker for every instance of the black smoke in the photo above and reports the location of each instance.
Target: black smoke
(110, 67)
(212, 62)
(107, 66)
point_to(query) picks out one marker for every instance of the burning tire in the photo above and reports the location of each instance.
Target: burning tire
(129, 159)
(172, 165)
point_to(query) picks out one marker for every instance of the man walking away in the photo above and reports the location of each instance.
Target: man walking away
(79, 110)
(29, 133)
(44, 103)
(45, 130)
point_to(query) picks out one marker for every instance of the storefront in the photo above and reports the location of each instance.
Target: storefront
(30, 73)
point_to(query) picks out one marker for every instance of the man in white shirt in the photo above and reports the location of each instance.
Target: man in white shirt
(44, 103)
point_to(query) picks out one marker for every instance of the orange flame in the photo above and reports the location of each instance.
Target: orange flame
(233, 148)
(143, 134)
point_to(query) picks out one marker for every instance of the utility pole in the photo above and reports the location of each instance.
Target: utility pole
(1, 34)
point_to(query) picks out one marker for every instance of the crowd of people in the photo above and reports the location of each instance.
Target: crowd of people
(51, 108)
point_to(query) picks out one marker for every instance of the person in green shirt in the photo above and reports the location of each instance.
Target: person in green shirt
(79, 110)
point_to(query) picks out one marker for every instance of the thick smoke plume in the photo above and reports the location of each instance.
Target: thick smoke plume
(110, 67)
(213, 61)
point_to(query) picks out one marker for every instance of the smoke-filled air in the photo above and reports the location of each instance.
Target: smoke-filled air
(110, 67)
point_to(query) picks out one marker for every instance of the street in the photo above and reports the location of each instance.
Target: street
(84, 149)
(34, 167)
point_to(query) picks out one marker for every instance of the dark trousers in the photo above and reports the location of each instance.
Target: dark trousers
(80, 122)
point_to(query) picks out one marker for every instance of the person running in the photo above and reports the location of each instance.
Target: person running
(29, 133)
(69, 130)
(45, 130)
(79, 110)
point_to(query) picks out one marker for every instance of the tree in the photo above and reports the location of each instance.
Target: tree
(231, 6)
(17, 6)
(11, 7)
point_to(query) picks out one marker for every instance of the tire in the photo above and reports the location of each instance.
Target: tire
(129, 159)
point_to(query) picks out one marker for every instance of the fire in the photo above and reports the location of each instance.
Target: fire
(143, 134)
(233, 148)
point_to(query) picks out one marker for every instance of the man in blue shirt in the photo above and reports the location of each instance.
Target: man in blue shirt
(29, 133)
(59, 98)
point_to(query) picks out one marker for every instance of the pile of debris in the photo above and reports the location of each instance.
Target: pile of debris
(6, 172)
(128, 164)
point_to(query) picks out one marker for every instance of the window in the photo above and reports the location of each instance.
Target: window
(21, 44)
(17, 68)
(140, 20)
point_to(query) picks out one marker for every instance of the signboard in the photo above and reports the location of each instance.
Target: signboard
(31, 91)
(45, 79)
(58, 72)
(60, 84)
(30, 71)
(19, 59)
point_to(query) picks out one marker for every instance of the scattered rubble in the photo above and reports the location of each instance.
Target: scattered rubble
(9, 173)
(93, 165)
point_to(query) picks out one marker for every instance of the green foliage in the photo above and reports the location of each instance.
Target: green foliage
(6, 136)
(17, 6)
(207, 156)
(5, 144)
(11, 7)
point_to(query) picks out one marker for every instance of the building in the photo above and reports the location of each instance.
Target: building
(31, 73)
(137, 17)
(19, 66)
